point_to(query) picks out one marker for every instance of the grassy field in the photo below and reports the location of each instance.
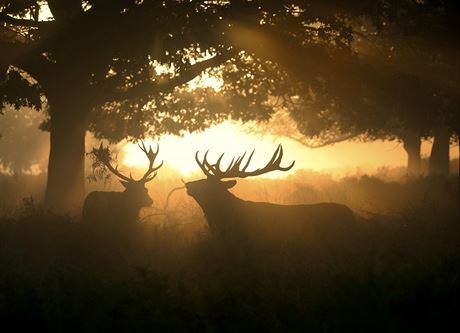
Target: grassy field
(400, 273)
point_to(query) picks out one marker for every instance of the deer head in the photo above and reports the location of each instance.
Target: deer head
(134, 189)
(207, 190)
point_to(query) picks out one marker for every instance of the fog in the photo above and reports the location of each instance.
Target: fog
(229, 166)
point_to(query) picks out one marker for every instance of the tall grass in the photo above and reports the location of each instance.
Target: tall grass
(401, 273)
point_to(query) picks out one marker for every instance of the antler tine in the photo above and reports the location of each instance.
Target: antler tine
(273, 164)
(238, 162)
(248, 161)
(279, 161)
(216, 167)
(203, 165)
(206, 163)
(103, 155)
(151, 156)
(276, 156)
(230, 165)
(197, 160)
(155, 154)
(142, 147)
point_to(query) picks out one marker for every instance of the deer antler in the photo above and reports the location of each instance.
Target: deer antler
(151, 156)
(103, 155)
(236, 168)
(203, 165)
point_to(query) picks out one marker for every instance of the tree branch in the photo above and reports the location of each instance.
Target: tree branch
(151, 87)
(22, 22)
(63, 10)
(193, 72)
(302, 140)
(25, 57)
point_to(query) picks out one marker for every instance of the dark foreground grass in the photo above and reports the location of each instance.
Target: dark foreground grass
(399, 273)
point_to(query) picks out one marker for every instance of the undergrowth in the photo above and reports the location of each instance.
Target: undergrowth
(400, 274)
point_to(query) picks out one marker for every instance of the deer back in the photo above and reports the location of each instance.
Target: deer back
(230, 216)
(109, 207)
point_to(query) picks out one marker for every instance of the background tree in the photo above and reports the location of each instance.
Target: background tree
(96, 59)
(388, 80)
(114, 66)
(420, 47)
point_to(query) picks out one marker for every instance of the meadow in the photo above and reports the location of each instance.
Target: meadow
(400, 271)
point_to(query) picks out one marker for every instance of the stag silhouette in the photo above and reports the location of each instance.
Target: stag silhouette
(120, 207)
(230, 216)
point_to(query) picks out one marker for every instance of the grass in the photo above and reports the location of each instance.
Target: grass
(401, 273)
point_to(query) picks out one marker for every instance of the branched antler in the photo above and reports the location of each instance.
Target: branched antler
(151, 156)
(102, 154)
(237, 169)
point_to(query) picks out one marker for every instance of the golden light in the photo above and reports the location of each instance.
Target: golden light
(206, 81)
(230, 138)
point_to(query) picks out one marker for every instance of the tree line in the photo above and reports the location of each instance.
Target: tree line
(342, 70)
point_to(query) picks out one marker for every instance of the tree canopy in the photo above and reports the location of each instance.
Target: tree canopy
(119, 67)
(389, 81)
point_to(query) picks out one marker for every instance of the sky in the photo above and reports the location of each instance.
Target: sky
(230, 138)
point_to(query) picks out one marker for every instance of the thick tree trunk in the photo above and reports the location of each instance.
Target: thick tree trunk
(439, 158)
(66, 175)
(412, 144)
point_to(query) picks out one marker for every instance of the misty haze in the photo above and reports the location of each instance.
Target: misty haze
(229, 166)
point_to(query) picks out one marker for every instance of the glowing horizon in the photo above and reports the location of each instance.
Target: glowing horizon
(233, 139)
(230, 138)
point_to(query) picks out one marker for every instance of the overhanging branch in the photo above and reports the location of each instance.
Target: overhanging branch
(192, 72)
(25, 57)
(303, 140)
(22, 22)
(151, 87)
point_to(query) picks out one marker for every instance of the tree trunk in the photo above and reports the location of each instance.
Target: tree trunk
(66, 172)
(439, 158)
(412, 144)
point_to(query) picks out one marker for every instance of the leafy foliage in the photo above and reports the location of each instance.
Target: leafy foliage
(133, 38)
(99, 171)
(402, 78)
(18, 90)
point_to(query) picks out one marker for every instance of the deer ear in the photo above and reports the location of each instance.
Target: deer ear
(229, 183)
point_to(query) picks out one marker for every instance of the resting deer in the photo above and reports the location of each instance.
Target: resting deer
(228, 215)
(120, 207)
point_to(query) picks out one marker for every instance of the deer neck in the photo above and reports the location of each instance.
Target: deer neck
(220, 210)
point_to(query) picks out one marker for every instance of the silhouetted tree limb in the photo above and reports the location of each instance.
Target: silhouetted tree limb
(168, 84)
(322, 143)
(5, 18)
